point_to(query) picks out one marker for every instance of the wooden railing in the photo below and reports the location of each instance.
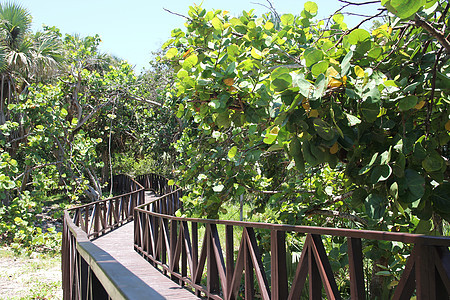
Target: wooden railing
(81, 275)
(213, 267)
(221, 259)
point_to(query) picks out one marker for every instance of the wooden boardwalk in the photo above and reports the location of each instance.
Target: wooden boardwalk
(120, 245)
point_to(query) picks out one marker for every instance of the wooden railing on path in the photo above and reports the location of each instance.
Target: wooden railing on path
(80, 277)
(251, 260)
(212, 268)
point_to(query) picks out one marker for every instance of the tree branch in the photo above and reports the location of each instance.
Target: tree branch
(360, 23)
(177, 14)
(359, 3)
(19, 138)
(93, 112)
(421, 22)
(41, 166)
(151, 102)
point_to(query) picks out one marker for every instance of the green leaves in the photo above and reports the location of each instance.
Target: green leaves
(380, 173)
(217, 24)
(171, 53)
(271, 135)
(375, 206)
(232, 152)
(287, 19)
(440, 197)
(311, 7)
(281, 79)
(358, 35)
(433, 162)
(295, 150)
(403, 8)
(324, 130)
(320, 68)
(256, 54)
(338, 18)
(190, 62)
(312, 56)
(407, 103)
(345, 65)
(370, 110)
(291, 88)
(415, 183)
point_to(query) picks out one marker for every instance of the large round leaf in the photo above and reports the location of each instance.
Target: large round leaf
(380, 173)
(295, 150)
(433, 162)
(190, 62)
(370, 110)
(312, 56)
(440, 197)
(324, 130)
(404, 8)
(281, 79)
(287, 19)
(375, 206)
(311, 8)
(320, 68)
(408, 102)
(358, 35)
(415, 182)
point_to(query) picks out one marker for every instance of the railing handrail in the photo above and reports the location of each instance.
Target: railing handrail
(408, 238)
(110, 198)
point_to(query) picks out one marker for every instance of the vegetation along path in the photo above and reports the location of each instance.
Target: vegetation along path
(308, 122)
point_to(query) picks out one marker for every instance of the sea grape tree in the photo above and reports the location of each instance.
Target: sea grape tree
(294, 91)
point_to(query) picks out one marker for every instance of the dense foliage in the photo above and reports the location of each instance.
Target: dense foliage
(66, 124)
(261, 95)
(316, 123)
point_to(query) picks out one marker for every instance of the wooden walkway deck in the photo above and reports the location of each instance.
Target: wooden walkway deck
(120, 245)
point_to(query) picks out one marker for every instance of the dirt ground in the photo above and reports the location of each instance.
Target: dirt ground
(29, 277)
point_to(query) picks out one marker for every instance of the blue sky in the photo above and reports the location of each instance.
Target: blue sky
(132, 29)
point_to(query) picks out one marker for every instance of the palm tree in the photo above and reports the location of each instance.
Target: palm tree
(24, 57)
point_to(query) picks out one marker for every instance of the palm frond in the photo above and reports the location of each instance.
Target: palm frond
(16, 22)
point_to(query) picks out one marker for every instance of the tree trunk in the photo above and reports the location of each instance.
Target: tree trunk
(377, 283)
(4, 92)
(438, 224)
(105, 168)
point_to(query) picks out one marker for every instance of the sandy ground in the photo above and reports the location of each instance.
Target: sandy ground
(29, 278)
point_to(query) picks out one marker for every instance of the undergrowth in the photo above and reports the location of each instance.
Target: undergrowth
(32, 224)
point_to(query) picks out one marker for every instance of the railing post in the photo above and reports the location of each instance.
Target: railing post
(278, 265)
(248, 270)
(194, 230)
(212, 276)
(355, 262)
(174, 265)
(229, 240)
